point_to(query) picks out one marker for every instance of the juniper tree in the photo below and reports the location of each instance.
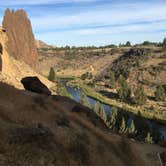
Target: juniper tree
(112, 118)
(84, 100)
(139, 96)
(112, 80)
(102, 113)
(131, 129)
(149, 138)
(96, 107)
(122, 129)
(160, 93)
(124, 90)
(51, 75)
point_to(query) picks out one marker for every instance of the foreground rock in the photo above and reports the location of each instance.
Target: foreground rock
(21, 42)
(35, 85)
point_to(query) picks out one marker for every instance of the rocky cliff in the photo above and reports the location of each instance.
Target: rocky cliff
(21, 42)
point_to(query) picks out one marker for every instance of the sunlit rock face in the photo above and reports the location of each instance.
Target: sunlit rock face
(21, 42)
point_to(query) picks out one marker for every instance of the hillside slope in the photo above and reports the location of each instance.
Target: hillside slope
(40, 130)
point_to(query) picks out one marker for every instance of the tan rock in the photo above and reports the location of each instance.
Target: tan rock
(21, 42)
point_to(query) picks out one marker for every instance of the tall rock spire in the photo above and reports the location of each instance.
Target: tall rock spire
(21, 42)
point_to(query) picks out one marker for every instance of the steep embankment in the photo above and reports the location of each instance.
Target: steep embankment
(40, 130)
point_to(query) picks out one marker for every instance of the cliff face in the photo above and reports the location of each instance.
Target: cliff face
(21, 41)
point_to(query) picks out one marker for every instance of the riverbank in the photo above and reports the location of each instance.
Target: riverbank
(91, 92)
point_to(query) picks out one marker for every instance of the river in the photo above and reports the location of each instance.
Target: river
(76, 92)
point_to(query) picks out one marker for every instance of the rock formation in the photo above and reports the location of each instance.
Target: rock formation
(21, 42)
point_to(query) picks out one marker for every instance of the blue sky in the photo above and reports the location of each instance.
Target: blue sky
(93, 22)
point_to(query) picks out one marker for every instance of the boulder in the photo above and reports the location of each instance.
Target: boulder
(35, 85)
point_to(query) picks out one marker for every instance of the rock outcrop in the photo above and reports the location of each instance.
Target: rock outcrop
(35, 85)
(21, 42)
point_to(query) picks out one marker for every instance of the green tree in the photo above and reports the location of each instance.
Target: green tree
(122, 129)
(84, 100)
(131, 129)
(103, 114)
(124, 91)
(96, 107)
(128, 44)
(139, 96)
(112, 80)
(51, 75)
(112, 119)
(149, 138)
(160, 93)
(164, 44)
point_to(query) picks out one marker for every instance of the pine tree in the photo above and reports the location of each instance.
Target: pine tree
(96, 107)
(131, 129)
(51, 75)
(112, 118)
(164, 44)
(128, 44)
(148, 138)
(122, 129)
(102, 113)
(81, 98)
(112, 80)
(139, 96)
(160, 93)
(86, 102)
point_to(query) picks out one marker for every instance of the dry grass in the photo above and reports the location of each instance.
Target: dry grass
(37, 130)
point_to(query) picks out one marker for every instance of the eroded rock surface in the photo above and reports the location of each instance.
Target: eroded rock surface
(21, 42)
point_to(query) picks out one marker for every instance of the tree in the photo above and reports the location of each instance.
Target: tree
(84, 100)
(128, 44)
(164, 44)
(160, 93)
(131, 129)
(124, 90)
(51, 75)
(112, 80)
(149, 138)
(122, 129)
(96, 107)
(139, 96)
(112, 118)
(102, 113)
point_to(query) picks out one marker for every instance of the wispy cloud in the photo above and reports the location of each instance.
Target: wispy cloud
(41, 2)
(97, 21)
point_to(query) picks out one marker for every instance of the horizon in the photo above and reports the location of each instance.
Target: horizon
(93, 22)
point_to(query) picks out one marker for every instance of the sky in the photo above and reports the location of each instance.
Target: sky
(93, 22)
